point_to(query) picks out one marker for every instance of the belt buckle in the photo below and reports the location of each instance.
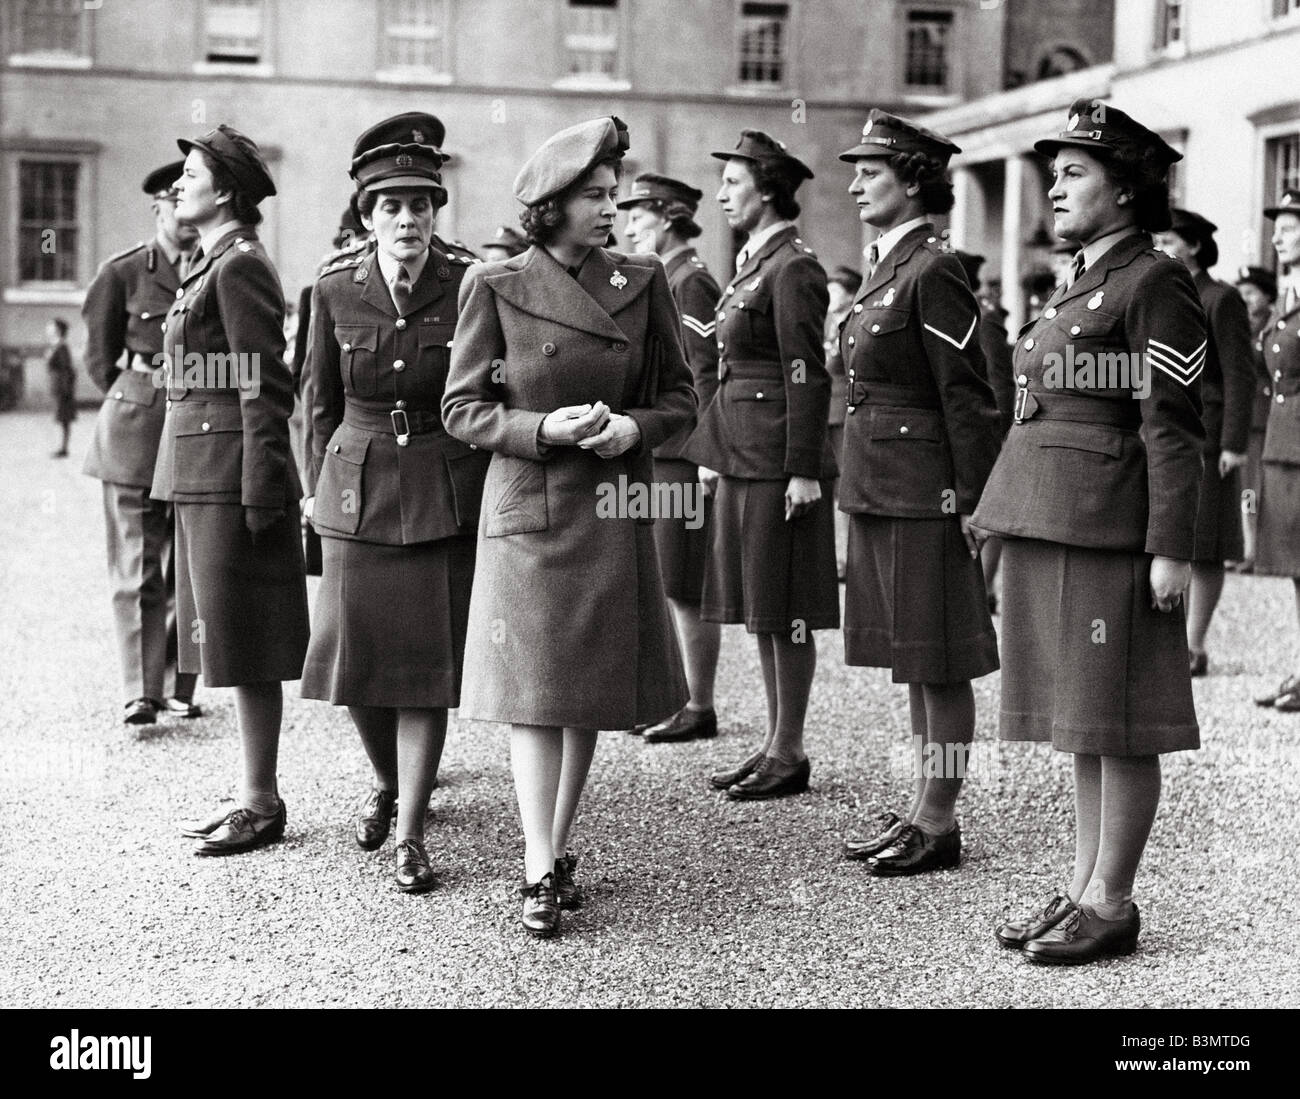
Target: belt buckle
(1022, 399)
(403, 432)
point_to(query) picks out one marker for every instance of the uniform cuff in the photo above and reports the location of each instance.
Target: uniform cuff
(803, 462)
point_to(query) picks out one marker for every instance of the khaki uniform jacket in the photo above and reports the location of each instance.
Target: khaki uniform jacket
(366, 362)
(1281, 343)
(769, 418)
(921, 432)
(1227, 385)
(224, 442)
(1088, 464)
(696, 295)
(124, 310)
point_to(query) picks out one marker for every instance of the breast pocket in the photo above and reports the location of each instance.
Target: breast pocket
(339, 500)
(209, 449)
(434, 356)
(883, 323)
(358, 359)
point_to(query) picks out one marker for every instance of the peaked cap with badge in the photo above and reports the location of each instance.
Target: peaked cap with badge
(761, 148)
(1289, 203)
(887, 134)
(401, 152)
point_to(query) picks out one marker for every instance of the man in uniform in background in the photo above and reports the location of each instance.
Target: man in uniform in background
(661, 214)
(505, 244)
(124, 311)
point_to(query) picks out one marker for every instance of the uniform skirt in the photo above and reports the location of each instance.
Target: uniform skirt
(1218, 515)
(770, 574)
(1087, 663)
(1277, 541)
(915, 601)
(683, 549)
(241, 606)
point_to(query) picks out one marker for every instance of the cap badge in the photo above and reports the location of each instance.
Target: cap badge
(867, 128)
(1287, 199)
(618, 280)
(404, 161)
(417, 136)
(1073, 124)
(1095, 300)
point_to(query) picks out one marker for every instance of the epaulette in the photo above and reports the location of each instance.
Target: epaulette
(456, 250)
(356, 247)
(799, 246)
(126, 251)
(344, 263)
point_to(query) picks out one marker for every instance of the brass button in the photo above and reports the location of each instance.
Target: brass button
(1268, 392)
(852, 409)
(1277, 375)
(449, 343)
(731, 289)
(1276, 349)
(164, 326)
(1050, 312)
(858, 308)
(207, 427)
(549, 348)
(473, 446)
(347, 346)
(169, 406)
(398, 365)
(874, 329)
(740, 305)
(1075, 330)
(1281, 399)
(903, 430)
(719, 345)
(401, 323)
(336, 448)
(1023, 379)
(444, 272)
(619, 345)
(1281, 324)
(759, 395)
(851, 374)
(1029, 344)
(118, 395)
(145, 315)
(180, 294)
(401, 404)
(853, 341)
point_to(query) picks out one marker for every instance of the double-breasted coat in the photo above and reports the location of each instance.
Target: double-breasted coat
(241, 597)
(920, 436)
(1277, 551)
(1227, 399)
(1101, 470)
(568, 622)
(396, 499)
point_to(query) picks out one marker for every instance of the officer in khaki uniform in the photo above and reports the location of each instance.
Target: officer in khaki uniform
(661, 215)
(124, 311)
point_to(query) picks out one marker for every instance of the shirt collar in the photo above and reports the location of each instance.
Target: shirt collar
(757, 240)
(886, 241)
(388, 266)
(1093, 252)
(209, 239)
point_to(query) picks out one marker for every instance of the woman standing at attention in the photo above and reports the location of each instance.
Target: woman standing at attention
(567, 367)
(1095, 495)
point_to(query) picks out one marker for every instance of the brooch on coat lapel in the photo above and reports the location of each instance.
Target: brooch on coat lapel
(618, 280)
(1095, 300)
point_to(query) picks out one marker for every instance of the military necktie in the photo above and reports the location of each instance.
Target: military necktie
(1078, 268)
(1291, 299)
(402, 288)
(873, 259)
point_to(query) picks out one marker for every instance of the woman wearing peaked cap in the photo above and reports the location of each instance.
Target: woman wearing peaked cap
(568, 368)
(763, 449)
(241, 595)
(1277, 549)
(1095, 495)
(394, 497)
(1226, 398)
(919, 440)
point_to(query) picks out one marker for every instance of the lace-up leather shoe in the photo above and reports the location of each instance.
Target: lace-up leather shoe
(414, 874)
(917, 852)
(1084, 937)
(195, 828)
(1288, 686)
(243, 830)
(181, 707)
(541, 915)
(374, 819)
(860, 849)
(1015, 933)
(720, 780)
(140, 711)
(772, 778)
(685, 724)
(567, 893)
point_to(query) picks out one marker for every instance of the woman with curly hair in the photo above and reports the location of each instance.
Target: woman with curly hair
(1095, 496)
(920, 437)
(568, 367)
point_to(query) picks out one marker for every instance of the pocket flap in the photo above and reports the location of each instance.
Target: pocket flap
(348, 448)
(209, 419)
(1094, 438)
(907, 425)
(1093, 322)
(881, 321)
(753, 389)
(134, 387)
(353, 337)
(435, 335)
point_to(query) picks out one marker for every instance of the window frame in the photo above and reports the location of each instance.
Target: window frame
(11, 20)
(1291, 15)
(1271, 137)
(920, 95)
(589, 81)
(413, 74)
(790, 82)
(1161, 43)
(261, 68)
(85, 154)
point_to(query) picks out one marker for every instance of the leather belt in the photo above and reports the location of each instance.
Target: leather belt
(754, 369)
(1109, 412)
(207, 396)
(402, 422)
(902, 396)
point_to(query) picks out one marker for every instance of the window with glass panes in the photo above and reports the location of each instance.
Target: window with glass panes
(1169, 22)
(928, 45)
(233, 31)
(47, 220)
(591, 38)
(49, 27)
(415, 35)
(763, 35)
(1283, 8)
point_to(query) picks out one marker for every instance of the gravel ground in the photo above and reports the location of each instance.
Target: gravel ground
(692, 900)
